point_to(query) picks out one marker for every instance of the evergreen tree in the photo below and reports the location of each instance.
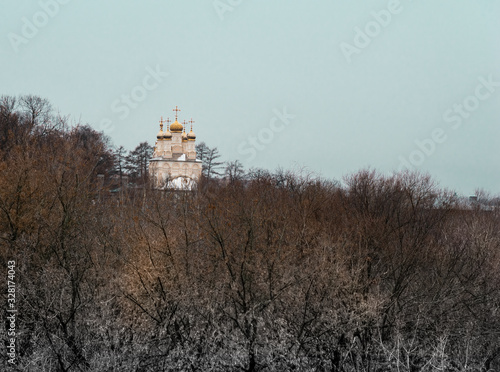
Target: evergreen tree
(137, 162)
(209, 156)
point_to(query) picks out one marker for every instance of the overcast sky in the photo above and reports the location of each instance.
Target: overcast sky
(329, 86)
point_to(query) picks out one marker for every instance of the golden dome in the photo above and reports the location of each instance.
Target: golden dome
(191, 136)
(184, 134)
(176, 127)
(159, 136)
(167, 135)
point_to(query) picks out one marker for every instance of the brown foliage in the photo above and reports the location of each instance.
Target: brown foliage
(276, 272)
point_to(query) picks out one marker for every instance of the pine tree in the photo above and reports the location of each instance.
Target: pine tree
(137, 162)
(209, 155)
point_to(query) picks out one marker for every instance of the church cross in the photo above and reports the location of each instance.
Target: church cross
(161, 123)
(176, 109)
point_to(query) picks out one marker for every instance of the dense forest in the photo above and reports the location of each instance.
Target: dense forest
(253, 271)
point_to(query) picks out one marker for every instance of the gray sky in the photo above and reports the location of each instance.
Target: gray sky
(329, 86)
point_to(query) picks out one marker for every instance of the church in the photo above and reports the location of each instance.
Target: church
(174, 164)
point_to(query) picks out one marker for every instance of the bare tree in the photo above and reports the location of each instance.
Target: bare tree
(282, 272)
(234, 171)
(38, 113)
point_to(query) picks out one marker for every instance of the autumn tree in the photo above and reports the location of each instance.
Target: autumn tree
(285, 271)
